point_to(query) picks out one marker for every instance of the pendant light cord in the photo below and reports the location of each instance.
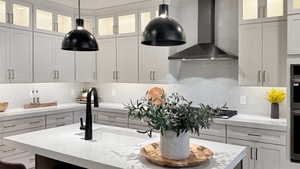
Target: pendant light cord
(164, 1)
(79, 8)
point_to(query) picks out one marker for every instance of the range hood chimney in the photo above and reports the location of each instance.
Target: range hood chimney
(206, 48)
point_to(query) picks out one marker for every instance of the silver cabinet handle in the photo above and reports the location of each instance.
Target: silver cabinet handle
(35, 122)
(251, 153)
(256, 154)
(9, 74)
(114, 76)
(153, 75)
(258, 76)
(117, 75)
(264, 76)
(11, 126)
(7, 18)
(13, 74)
(150, 75)
(58, 76)
(254, 135)
(54, 74)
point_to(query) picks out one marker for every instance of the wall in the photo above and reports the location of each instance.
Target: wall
(202, 82)
(19, 94)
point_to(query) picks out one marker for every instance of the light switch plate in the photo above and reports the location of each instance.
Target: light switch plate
(243, 100)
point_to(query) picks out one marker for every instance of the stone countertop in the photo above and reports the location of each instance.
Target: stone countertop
(112, 148)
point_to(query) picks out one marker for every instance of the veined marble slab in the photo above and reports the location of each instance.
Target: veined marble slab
(112, 148)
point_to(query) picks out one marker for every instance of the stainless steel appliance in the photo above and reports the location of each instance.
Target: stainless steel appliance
(295, 112)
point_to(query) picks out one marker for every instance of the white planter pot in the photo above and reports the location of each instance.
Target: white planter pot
(173, 147)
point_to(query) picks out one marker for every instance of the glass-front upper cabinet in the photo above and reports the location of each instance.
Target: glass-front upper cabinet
(293, 6)
(106, 26)
(127, 24)
(21, 14)
(64, 23)
(259, 10)
(145, 18)
(3, 14)
(44, 20)
(89, 24)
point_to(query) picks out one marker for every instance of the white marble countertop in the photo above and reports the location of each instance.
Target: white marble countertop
(112, 148)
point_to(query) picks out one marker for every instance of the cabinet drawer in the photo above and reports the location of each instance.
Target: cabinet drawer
(116, 124)
(58, 124)
(7, 151)
(210, 138)
(113, 117)
(215, 130)
(252, 134)
(15, 125)
(60, 118)
(82, 114)
(25, 158)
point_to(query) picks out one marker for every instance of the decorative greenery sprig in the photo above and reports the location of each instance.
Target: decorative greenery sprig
(171, 112)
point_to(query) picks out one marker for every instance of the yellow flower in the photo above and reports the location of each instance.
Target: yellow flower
(276, 96)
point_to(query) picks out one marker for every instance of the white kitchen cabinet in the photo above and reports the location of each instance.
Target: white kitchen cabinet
(262, 54)
(4, 54)
(85, 66)
(51, 63)
(127, 59)
(250, 54)
(107, 60)
(43, 58)
(248, 161)
(253, 11)
(153, 63)
(260, 155)
(274, 54)
(44, 20)
(293, 31)
(64, 62)
(106, 26)
(127, 24)
(270, 156)
(21, 56)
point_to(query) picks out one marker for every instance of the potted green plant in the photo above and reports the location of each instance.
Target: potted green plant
(175, 118)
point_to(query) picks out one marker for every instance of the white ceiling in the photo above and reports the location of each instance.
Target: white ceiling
(95, 4)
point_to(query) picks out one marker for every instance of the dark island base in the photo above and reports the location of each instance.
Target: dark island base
(42, 162)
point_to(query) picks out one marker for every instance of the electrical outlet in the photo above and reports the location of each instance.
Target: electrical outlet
(243, 100)
(113, 92)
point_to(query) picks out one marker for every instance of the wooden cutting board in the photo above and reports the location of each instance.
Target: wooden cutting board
(198, 155)
(32, 106)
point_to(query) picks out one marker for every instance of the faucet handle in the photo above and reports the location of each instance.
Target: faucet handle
(82, 126)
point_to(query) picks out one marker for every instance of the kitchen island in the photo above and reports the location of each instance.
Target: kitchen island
(111, 148)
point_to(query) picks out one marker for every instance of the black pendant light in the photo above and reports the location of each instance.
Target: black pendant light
(79, 39)
(163, 30)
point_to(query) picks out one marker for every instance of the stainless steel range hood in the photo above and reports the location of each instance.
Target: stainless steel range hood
(206, 30)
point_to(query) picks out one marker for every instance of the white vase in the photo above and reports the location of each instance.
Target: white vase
(175, 147)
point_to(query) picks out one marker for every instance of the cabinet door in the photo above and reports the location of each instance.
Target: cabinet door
(274, 54)
(64, 24)
(22, 14)
(249, 10)
(293, 6)
(274, 9)
(153, 66)
(248, 161)
(250, 54)
(127, 59)
(85, 66)
(64, 62)
(3, 12)
(4, 54)
(293, 31)
(21, 56)
(107, 60)
(43, 58)
(270, 156)
(44, 20)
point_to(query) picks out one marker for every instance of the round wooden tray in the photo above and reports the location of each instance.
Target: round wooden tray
(198, 155)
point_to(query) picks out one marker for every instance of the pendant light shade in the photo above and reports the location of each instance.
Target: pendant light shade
(163, 30)
(79, 39)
